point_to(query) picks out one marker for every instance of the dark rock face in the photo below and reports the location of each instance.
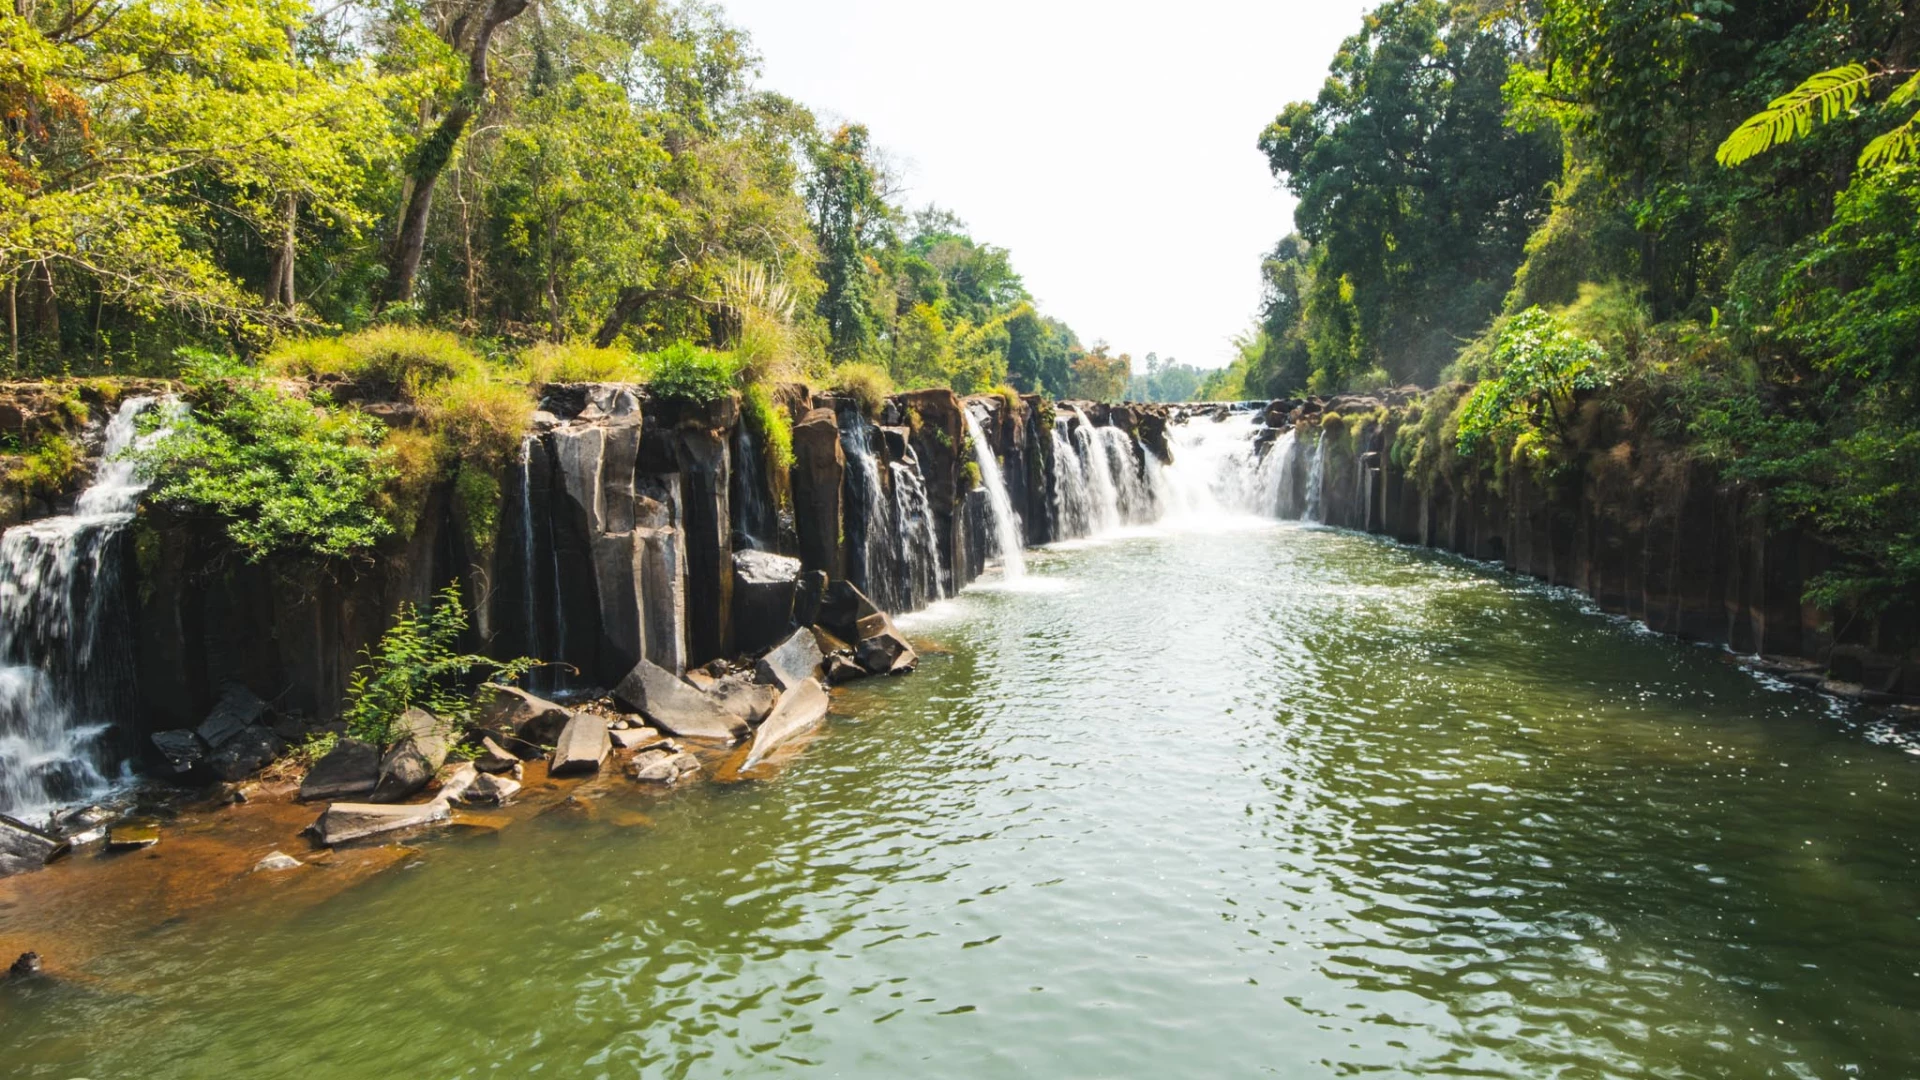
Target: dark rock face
(182, 750)
(244, 753)
(413, 760)
(842, 609)
(793, 661)
(764, 585)
(237, 709)
(582, 746)
(352, 767)
(23, 847)
(675, 706)
(818, 470)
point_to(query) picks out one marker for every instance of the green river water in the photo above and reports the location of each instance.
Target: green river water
(1257, 801)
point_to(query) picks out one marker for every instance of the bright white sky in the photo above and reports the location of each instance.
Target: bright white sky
(1110, 146)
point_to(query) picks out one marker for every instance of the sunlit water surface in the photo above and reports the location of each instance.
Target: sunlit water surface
(1258, 801)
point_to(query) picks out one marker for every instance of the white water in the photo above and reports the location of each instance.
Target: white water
(920, 547)
(62, 658)
(1006, 527)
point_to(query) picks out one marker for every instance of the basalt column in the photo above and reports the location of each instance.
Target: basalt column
(819, 466)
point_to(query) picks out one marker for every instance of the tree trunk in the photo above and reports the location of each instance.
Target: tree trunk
(13, 321)
(633, 298)
(280, 276)
(437, 149)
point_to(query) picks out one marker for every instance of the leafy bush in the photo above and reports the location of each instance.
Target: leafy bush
(49, 466)
(868, 384)
(570, 362)
(770, 424)
(480, 419)
(415, 665)
(1526, 398)
(284, 474)
(406, 358)
(476, 493)
(684, 371)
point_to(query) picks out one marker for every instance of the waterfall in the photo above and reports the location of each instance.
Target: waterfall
(755, 524)
(920, 549)
(1072, 502)
(1092, 459)
(1317, 480)
(65, 661)
(871, 529)
(531, 603)
(1006, 527)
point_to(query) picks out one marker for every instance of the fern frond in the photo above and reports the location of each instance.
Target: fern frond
(1830, 94)
(1900, 144)
(1907, 91)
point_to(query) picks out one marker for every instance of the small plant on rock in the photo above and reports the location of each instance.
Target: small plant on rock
(417, 665)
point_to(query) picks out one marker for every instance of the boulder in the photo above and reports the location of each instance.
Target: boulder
(842, 608)
(662, 766)
(494, 758)
(800, 709)
(352, 821)
(582, 746)
(23, 847)
(412, 761)
(527, 716)
(791, 662)
(676, 707)
(244, 753)
(279, 860)
(24, 966)
(491, 790)
(842, 668)
(641, 738)
(744, 698)
(352, 767)
(238, 709)
(763, 594)
(455, 780)
(182, 750)
(882, 649)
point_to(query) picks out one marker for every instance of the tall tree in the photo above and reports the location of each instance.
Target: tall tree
(850, 219)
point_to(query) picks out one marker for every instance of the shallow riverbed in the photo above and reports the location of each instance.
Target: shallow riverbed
(1250, 800)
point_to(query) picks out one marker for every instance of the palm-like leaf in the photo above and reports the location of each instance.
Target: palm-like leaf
(1826, 96)
(1897, 145)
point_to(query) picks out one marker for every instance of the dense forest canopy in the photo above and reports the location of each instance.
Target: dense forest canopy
(239, 173)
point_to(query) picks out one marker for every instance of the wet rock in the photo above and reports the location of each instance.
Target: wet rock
(244, 753)
(495, 758)
(662, 766)
(582, 746)
(24, 847)
(819, 463)
(791, 662)
(808, 593)
(182, 750)
(744, 698)
(413, 760)
(640, 738)
(842, 608)
(352, 767)
(676, 707)
(238, 709)
(353, 821)
(882, 649)
(133, 835)
(25, 966)
(800, 709)
(491, 790)
(455, 779)
(763, 591)
(277, 861)
(523, 715)
(842, 668)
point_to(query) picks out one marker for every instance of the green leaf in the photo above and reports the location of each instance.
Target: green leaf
(1829, 94)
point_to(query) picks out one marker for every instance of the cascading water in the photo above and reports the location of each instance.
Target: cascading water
(65, 668)
(1006, 527)
(1072, 501)
(755, 524)
(871, 529)
(1317, 480)
(920, 550)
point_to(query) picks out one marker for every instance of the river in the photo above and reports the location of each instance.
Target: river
(1240, 799)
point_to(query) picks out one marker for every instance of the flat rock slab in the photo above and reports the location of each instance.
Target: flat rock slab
(744, 698)
(791, 662)
(800, 709)
(24, 847)
(642, 738)
(582, 746)
(352, 767)
(237, 709)
(244, 753)
(352, 821)
(676, 707)
(527, 716)
(132, 835)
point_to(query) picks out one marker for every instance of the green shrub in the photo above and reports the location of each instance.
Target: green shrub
(770, 424)
(476, 494)
(415, 665)
(480, 419)
(686, 372)
(49, 466)
(408, 359)
(573, 362)
(867, 384)
(283, 474)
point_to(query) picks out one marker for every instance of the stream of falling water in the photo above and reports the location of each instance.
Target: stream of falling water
(1006, 527)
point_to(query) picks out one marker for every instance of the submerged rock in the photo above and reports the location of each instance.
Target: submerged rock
(675, 706)
(277, 861)
(662, 766)
(25, 966)
(413, 760)
(528, 716)
(23, 847)
(800, 709)
(582, 746)
(641, 738)
(353, 821)
(352, 767)
(791, 662)
(133, 835)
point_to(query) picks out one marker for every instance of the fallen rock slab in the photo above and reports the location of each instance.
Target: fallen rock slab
(791, 662)
(528, 716)
(676, 707)
(582, 746)
(491, 790)
(494, 758)
(23, 847)
(237, 709)
(740, 695)
(353, 821)
(800, 709)
(662, 766)
(412, 761)
(352, 767)
(244, 753)
(841, 668)
(641, 738)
